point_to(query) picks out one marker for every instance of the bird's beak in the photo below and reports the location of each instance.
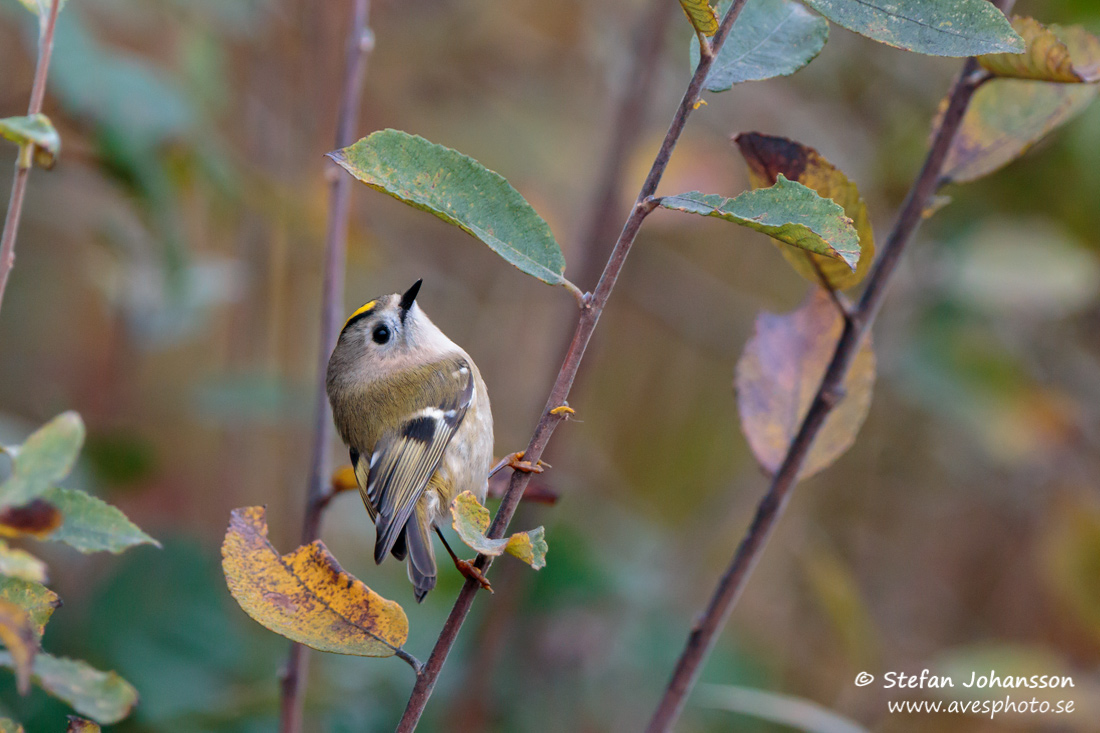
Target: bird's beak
(409, 296)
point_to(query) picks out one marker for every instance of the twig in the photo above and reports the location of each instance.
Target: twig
(586, 324)
(839, 300)
(625, 131)
(23, 163)
(772, 505)
(359, 44)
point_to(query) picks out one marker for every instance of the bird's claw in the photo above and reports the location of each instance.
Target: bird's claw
(516, 463)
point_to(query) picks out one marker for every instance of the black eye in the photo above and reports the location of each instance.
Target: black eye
(381, 334)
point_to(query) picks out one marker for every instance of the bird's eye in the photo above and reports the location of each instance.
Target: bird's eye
(381, 334)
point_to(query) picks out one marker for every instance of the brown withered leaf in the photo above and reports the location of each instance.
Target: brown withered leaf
(1048, 56)
(1005, 118)
(779, 374)
(305, 595)
(39, 519)
(769, 156)
(17, 632)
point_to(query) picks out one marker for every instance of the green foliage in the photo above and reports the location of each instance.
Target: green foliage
(29, 498)
(770, 38)
(102, 696)
(471, 521)
(934, 27)
(1006, 118)
(787, 211)
(460, 191)
(93, 525)
(45, 458)
(35, 132)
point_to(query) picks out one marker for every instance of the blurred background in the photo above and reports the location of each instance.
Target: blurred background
(167, 286)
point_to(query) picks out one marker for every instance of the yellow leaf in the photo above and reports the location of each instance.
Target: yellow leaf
(21, 564)
(305, 595)
(471, 521)
(17, 632)
(702, 16)
(779, 374)
(769, 157)
(1048, 57)
(343, 479)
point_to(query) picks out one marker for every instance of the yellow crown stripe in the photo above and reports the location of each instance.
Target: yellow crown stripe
(363, 309)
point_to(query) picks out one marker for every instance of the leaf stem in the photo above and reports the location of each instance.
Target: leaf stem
(23, 172)
(586, 324)
(771, 506)
(358, 46)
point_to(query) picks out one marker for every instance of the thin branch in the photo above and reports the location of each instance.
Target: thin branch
(359, 45)
(23, 162)
(586, 324)
(839, 300)
(829, 393)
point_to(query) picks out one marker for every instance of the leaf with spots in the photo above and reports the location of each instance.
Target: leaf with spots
(768, 157)
(702, 16)
(471, 521)
(102, 696)
(934, 27)
(38, 519)
(460, 191)
(787, 211)
(305, 595)
(770, 38)
(779, 374)
(37, 600)
(1048, 56)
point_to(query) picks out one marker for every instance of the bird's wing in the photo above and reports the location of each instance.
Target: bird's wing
(405, 459)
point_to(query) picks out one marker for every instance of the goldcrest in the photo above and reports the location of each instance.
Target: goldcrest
(414, 412)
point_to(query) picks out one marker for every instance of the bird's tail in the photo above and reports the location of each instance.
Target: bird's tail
(421, 554)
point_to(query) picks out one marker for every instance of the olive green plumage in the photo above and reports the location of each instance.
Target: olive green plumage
(414, 412)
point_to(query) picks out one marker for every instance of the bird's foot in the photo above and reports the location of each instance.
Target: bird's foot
(516, 463)
(470, 571)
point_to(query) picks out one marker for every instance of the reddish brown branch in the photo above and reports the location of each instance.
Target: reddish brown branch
(359, 45)
(23, 162)
(771, 506)
(590, 315)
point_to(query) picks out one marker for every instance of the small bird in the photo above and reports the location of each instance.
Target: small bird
(413, 410)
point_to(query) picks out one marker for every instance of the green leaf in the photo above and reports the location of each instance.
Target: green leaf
(93, 525)
(45, 458)
(471, 521)
(933, 27)
(770, 38)
(786, 710)
(702, 16)
(21, 564)
(41, 8)
(8, 725)
(1047, 58)
(788, 211)
(36, 599)
(305, 595)
(769, 156)
(779, 374)
(36, 130)
(102, 696)
(460, 191)
(1005, 118)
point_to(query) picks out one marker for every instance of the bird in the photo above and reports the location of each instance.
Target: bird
(413, 411)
